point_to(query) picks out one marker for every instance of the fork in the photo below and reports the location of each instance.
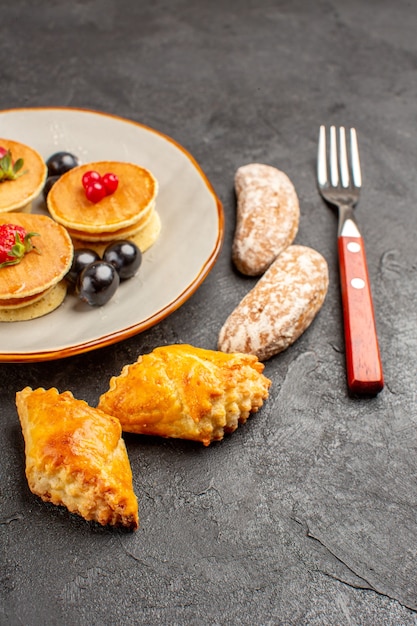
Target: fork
(339, 182)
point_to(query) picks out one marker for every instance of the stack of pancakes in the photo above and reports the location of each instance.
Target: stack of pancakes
(128, 213)
(18, 194)
(35, 286)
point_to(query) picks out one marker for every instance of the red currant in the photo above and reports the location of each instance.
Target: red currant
(95, 192)
(110, 182)
(90, 177)
(3, 151)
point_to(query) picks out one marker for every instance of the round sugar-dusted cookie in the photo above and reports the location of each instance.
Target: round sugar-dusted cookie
(18, 194)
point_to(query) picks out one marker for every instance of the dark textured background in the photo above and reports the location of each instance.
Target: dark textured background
(307, 514)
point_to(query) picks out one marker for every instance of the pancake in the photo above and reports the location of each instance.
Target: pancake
(147, 236)
(143, 238)
(46, 303)
(18, 303)
(39, 269)
(17, 195)
(117, 235)
(136, 193)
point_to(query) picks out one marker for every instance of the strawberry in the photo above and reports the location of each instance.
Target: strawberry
(9, 169)
(15, 242)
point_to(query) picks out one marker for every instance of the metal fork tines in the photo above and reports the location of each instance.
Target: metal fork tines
(339, 182)
(339, 173)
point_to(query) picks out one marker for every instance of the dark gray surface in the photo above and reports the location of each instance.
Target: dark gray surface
(307, 514)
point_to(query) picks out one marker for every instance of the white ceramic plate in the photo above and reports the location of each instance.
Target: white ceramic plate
(172, 269)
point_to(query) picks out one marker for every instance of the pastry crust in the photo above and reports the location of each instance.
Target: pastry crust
(75, 457)
(186, 392)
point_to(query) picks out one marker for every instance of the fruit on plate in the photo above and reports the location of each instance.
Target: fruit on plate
(15, 242)
(81, 259)
(125, 256)
(57, 164)
(98, 187)
(97, 283)
(61, 162)
(96, 279)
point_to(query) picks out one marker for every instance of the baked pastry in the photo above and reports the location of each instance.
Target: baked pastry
(128, 213)
(38, 277)
(267, 217)
(76, 457)
(280, 307)
(185, 392)
(18, 194)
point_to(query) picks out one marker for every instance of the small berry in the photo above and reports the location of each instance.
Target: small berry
(15, 242)
(90, 177)
(61, 162)
(82, 258)
(97, 283)
(125, 256)
(95, 192)
(110, 182)
(3, 151)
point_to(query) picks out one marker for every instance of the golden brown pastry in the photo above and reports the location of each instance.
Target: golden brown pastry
(186, 392)
(75, 457)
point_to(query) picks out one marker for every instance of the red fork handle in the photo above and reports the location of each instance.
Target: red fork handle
(363, 360)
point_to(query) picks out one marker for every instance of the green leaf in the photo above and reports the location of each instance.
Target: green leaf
(6, 162)
(6, 263)
(18, 165)
(10, 170)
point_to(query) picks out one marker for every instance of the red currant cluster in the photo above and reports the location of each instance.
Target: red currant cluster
(98, 187)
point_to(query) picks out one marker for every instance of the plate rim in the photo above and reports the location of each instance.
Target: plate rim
(134, 329)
